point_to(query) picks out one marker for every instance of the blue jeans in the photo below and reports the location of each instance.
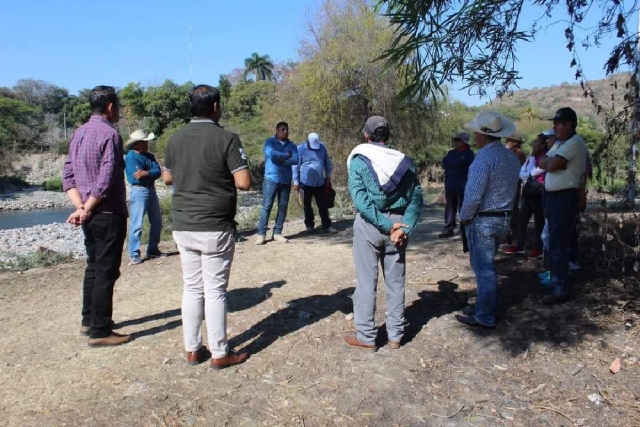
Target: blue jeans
(271, 190)
(144, 201)
(561, 208)
(484, 235)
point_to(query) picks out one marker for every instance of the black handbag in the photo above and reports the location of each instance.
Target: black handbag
(532, 189)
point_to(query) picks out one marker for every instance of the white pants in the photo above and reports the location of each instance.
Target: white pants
(206, 263)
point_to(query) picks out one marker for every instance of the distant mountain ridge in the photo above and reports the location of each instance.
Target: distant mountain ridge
(542, 102)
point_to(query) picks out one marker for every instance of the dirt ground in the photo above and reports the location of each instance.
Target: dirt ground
(288, 306)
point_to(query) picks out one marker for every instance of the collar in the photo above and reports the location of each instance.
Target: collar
(275, 137)
(97, 117)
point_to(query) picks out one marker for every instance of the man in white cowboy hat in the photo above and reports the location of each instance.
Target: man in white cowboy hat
(142, 170)
(456, 168)
(485, 213)
(310, 176)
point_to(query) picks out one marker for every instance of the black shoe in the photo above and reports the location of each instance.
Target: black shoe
(471, 321)
(469, 310)
(556, 299)
(445, 234)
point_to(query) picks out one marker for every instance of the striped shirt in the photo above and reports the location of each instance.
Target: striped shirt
(95, 166)
(372, 203)
(493, 181)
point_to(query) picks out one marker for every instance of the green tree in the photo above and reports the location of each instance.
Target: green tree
(20, 124)
(245, 99)
(260, 67)
(224, 86)
(167, 104)
(132, 100)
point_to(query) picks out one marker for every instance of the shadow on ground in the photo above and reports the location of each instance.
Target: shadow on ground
(298, 314)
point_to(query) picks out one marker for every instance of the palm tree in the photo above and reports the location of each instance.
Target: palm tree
(529, 114)
(260, 67)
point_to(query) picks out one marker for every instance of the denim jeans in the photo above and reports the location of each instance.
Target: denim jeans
(271, 190)
(317, 193)
(104, 236)
(561, 208)
(144, 201)
(484, 235)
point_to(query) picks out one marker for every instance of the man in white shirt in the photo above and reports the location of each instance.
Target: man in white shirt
(565, 166)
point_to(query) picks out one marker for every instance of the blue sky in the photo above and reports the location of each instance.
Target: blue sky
(79, 44)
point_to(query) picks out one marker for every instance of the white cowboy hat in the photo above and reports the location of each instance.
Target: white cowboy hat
(138, 135)
(492, 124)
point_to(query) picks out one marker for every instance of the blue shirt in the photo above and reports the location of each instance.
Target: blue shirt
(493, 181)
(135, 161)
(277, 166)
(313, 165)
(456, 168)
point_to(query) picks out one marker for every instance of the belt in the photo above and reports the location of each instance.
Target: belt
(395, 211)
(140, 185)
(495, 214)
(566, 190)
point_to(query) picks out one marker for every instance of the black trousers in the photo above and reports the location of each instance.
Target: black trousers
(317, 193)
(104, 236)
(453, 204)
(529, 207)
(515, 213)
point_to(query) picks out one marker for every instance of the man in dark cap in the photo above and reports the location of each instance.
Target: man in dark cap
(456, 168)
(565, 165)
(387, 195)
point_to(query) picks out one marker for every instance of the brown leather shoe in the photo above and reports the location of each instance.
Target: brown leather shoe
(85, 330)
(110, 341)
(232, 358)
(393, 344)
(352, 341)
(196, 357)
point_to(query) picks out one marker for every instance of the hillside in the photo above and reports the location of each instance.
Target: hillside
(546, 100)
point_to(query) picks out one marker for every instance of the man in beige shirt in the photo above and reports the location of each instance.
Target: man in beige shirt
(565, 166)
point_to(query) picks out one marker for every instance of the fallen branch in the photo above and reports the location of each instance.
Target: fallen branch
(448, 416)
(558, 412)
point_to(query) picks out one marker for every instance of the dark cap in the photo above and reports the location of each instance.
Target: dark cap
(565, 114)
(377, 126)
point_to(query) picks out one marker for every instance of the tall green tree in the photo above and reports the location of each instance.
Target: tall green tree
(167, 104)
(260, 67)
(224, 86)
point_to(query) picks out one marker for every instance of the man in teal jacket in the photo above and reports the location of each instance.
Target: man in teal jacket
(386, 193)
(280, 154)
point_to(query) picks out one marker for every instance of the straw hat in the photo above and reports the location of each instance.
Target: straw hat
(138, 135)
(492, 124)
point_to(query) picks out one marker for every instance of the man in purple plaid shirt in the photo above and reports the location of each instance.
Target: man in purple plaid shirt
(93, 178)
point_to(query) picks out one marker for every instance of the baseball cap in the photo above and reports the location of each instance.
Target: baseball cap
(377, 125)
(314, 140)
(565, 114)
(462, 136)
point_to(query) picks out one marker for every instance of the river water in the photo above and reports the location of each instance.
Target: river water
(23, 219)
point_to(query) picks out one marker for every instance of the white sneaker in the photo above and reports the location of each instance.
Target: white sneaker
(573, 266)
(260, 240)
(280, 238)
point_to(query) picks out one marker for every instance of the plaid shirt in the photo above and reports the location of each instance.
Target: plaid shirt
(95, 166)
(493, 181)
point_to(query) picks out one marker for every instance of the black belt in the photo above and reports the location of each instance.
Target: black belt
(495, 214)
(395, 212)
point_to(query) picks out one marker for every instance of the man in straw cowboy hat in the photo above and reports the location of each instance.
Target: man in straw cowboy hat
(142, 170)
(93, 178)
(488, 200)
(386, 193)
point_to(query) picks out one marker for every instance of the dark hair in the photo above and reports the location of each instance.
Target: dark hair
(379, 137)
(281, 125)
(100, 97)
(494, 138)
(202, 99)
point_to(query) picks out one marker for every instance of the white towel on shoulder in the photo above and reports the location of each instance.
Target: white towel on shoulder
(388, 166)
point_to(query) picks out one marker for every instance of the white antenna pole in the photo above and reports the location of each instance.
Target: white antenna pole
(190, 52)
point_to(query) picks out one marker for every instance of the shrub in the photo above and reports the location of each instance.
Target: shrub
(53, 184)
(62, 147)
(35, 259)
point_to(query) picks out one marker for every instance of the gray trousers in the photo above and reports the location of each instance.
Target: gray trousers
(371, 246)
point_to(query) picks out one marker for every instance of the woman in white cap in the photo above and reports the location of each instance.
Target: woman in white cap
(142, 169)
